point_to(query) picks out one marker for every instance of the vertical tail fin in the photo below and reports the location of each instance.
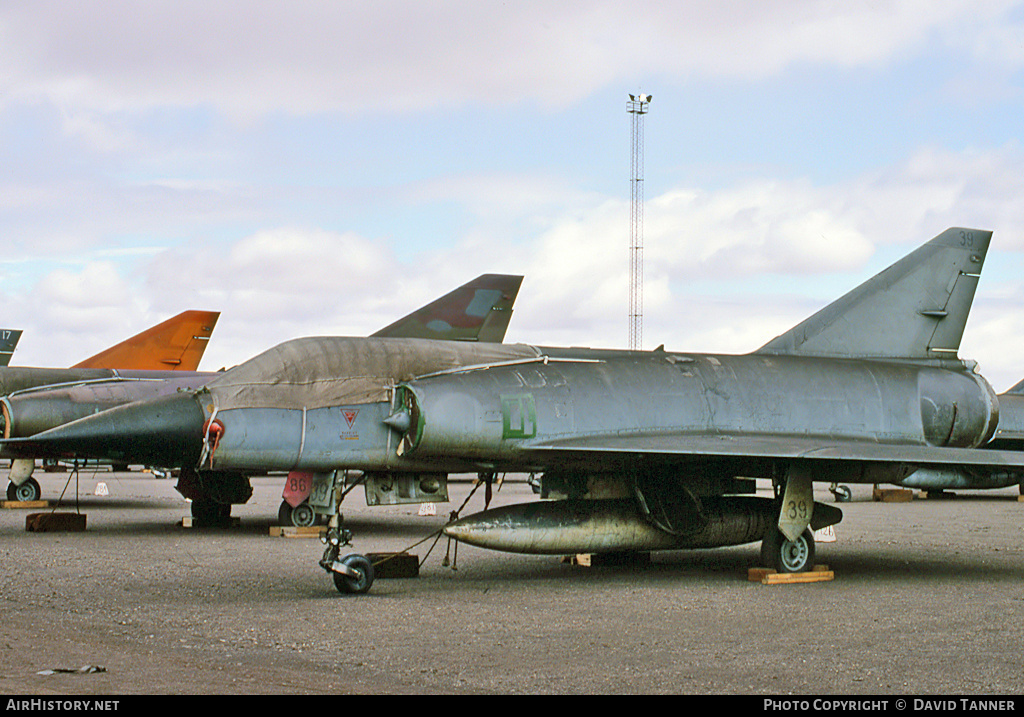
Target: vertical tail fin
(915, 309)
(479, 310)
(1016, 389)
(8, 342)
(173, 345)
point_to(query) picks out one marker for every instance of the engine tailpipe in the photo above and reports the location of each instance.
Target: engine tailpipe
(596, 526)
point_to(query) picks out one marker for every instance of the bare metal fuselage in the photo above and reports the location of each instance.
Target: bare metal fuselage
(493, 417)
(500, 413)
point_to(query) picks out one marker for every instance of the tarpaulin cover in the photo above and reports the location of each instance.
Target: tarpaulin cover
(318, 372)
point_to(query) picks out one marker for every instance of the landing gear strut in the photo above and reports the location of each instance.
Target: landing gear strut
(788, 546)
(354, 572)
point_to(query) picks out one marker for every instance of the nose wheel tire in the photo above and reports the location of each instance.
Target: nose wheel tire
(361, 581)
(788, 556)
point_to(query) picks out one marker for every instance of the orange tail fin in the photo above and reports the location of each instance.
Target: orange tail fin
(174, 345)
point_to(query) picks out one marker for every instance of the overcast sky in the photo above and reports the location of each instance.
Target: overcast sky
(312, 168)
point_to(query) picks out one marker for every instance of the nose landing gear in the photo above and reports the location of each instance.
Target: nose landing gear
(354, 572)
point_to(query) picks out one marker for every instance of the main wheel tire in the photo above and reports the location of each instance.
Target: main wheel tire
(301, 516)
(284, 514)
(27, 491)
(788, 556)
(842, 493)
(362, 565)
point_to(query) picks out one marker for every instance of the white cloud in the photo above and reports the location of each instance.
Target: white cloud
(398, 56)
(275, 285)
(70, 314)
(755, 228)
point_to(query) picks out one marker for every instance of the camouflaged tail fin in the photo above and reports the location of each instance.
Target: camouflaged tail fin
(8, 342)
(477, 311)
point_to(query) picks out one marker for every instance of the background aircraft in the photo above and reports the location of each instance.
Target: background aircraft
(652, 449)
(8, 342)
(478, 311)
(176, 344)
(1010, 432)
(172, 348)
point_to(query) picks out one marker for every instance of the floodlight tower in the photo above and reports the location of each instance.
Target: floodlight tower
(637, 107)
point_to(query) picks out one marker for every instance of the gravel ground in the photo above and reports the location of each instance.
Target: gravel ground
(924, 601)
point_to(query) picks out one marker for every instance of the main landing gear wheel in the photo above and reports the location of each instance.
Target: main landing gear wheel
(27, 491)
(788, 556)
(841, 493)
(362, 578)
(301, 516)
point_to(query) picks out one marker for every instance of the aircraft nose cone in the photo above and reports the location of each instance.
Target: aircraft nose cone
(165, 432)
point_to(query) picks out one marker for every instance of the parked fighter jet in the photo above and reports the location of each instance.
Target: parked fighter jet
(479, 310)
(652, 449)
(8, 342)
(170, 349)
(176, 344)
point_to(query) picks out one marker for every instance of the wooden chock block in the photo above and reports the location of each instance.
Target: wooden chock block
(55, 522)
(892, 495)
(394, 565)
(814, 576)
(618, 559)
(770, 576)
(21, 504)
